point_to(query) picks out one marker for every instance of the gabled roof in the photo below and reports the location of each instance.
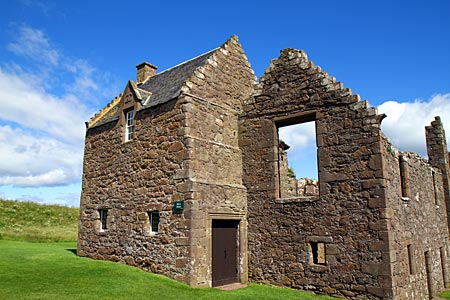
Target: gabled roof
(161, 88)
(167, 85)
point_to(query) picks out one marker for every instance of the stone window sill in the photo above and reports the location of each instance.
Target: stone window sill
(303, 199)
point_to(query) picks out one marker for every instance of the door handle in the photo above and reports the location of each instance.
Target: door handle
(225, 253)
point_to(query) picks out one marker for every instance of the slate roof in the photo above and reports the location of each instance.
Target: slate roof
(167, 85)
(163, 87)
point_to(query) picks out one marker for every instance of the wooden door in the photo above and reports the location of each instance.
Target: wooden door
(224, 252)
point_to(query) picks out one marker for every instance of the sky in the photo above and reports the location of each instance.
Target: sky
(62, 61)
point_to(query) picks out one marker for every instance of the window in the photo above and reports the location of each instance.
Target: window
(297, 158)
(410, 260)
(103, 219)
(129, 126)
(404, 177)
(433, 173)
(318, 253)
(154, 221)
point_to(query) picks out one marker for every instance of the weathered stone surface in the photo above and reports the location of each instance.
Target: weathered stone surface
(373, 226)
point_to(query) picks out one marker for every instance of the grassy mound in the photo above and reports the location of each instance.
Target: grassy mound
(52, 271)
(32, 222)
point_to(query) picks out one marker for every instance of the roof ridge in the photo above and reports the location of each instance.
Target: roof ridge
(184, 62)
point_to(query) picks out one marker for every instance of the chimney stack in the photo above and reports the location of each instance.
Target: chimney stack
(145, 70)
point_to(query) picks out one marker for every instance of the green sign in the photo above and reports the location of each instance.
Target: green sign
(178, 205)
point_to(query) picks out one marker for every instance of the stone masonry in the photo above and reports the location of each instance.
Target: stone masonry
(183, 150)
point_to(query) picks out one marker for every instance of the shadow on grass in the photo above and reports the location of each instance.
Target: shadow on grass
(74, 251)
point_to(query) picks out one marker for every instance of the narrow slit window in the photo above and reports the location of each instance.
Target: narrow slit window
(410, 259)
(154, 221)
(443, 265)
(404, 177)
(129, 126)
(433, 173)
(103, 219)
(318, 253)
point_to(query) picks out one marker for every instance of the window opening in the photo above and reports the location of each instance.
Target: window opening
(297, 160)
(433, 173)
(154, 221)
(103, 219)
(410, 259)
(443, 266)
(318, 253)
(129, 126)
(428, 269)
(404, 176)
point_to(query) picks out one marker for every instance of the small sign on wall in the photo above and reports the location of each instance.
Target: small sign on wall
(178, 205)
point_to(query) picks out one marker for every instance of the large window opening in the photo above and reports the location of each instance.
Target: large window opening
(297, 159)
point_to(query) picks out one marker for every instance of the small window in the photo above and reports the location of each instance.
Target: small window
(410, 260)
(404, 177)
(318, 253)
(103, 219)
(433, 173)
(129, 126)
(154, 221)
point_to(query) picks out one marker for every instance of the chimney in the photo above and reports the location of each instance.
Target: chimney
(145, 70)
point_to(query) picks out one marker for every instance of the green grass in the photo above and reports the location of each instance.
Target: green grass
(52, 271)
(27, 221)
(445, 295)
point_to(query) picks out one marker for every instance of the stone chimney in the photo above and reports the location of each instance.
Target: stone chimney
(145, 70)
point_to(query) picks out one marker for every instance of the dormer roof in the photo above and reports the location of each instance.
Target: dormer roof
(156, 90)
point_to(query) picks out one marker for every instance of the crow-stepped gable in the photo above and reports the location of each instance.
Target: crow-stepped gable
(185, 175)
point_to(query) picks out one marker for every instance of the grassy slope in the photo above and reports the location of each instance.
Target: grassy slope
(27, 221)
(53, 271)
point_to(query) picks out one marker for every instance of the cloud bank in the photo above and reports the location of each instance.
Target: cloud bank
(405, 122)
(43, 113)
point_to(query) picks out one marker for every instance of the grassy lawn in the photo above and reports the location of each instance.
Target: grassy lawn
(445, 295)
(27, 221)
(52, 271)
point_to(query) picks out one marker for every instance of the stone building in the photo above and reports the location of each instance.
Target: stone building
(183, 177)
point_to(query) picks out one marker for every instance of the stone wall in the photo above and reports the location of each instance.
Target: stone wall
(374, 226)
(214, 101)
(417, 224)
(307, 187)
(284, 233)
(129, 179)
(183, 150)
(288, 181)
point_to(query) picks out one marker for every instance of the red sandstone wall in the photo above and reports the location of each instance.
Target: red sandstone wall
(419, 220)
(129, 179)
(281, 231)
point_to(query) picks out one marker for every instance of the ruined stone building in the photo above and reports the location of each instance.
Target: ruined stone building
(183, 176)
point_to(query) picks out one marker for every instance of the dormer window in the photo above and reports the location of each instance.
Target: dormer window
(129, 125)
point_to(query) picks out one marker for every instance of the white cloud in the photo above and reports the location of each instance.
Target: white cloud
(36, 109)
(299, 136)
(405, 122)
(42, 115)
(37, 161)
(32, 43)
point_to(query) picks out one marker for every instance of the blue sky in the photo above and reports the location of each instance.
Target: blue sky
(61, 61)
